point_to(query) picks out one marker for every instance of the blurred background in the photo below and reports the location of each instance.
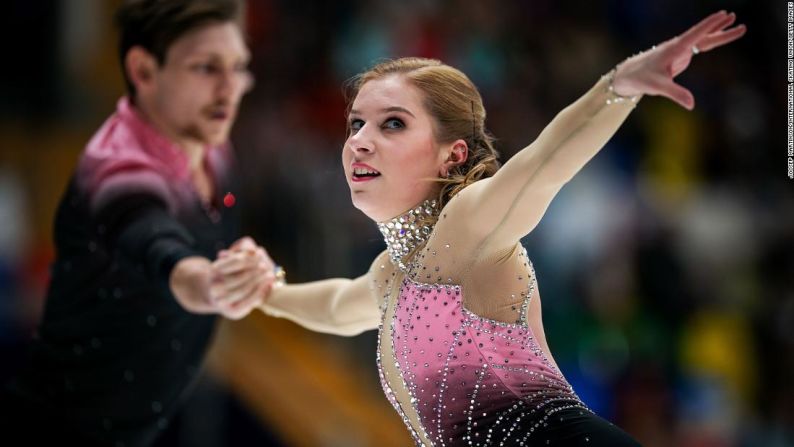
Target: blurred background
(666, 266)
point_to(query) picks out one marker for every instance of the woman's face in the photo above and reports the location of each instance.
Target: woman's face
(391, 156)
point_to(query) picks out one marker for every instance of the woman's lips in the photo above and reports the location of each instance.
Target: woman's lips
(362, 172)
(358, 179)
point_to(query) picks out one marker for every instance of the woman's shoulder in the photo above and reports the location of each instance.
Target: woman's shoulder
(458, 231)
(382, 274)
(463, 211)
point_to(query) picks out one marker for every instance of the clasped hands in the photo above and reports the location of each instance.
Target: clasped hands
(237, 282)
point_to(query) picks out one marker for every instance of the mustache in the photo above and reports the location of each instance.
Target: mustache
(219, 106)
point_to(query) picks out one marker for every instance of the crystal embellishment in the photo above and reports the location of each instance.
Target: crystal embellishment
(407, 231)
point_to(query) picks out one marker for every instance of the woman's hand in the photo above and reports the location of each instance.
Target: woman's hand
(238, 282)
(243, 277)
(652, 71)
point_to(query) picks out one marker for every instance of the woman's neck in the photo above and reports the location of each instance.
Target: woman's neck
(405, 233)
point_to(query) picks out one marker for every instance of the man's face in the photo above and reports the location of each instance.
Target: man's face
(196, 92)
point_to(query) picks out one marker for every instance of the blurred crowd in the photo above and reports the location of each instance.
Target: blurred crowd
(666, 266)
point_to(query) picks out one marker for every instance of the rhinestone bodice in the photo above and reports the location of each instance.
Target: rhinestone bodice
(470, 379)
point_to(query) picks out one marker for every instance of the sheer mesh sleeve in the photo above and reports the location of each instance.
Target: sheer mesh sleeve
(476, 241)
(336, 306)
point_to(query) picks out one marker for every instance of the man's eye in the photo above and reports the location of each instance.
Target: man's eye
(393, 123)
(205, 68)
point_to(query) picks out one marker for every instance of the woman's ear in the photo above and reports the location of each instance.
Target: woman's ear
(457, 156)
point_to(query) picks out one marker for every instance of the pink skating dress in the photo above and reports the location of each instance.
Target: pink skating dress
(456, 377)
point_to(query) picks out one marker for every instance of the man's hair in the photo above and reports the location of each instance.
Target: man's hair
(155, 24)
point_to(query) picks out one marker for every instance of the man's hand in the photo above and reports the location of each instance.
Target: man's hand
(243, 277)
(190, 282)
(238, 282)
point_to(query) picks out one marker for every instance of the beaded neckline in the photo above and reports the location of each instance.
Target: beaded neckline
(407, 231)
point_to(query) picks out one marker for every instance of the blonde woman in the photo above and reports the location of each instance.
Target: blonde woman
(462, 353)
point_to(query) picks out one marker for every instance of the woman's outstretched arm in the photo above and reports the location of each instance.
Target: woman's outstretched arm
(338, 306)
(334, 306)
(502, 209)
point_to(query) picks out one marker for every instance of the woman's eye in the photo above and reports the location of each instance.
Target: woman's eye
(393, 123)
(356, 125)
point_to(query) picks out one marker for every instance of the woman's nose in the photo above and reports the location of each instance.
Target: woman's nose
(360, 149)
(360, 142)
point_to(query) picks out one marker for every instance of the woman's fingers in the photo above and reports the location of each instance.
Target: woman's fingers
(230, 261)
(722, 24)
(236, 280)
(711, 33)
(677, 93)
(240, 273)
(721, 38)
(235, 262)
(652, 72)
(264, 256)
(243, 278)
(694, 34)
(242, 286)
(244, 243)
(243, 307)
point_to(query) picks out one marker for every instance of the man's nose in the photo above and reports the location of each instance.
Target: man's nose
(233, 83)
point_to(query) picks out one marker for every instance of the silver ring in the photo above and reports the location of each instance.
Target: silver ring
(695, 49)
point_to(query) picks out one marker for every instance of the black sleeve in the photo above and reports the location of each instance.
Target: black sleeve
(140, 228)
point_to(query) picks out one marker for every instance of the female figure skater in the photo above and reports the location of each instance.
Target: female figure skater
(462, 353)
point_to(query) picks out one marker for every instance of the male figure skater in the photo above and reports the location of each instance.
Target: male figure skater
(129, 311)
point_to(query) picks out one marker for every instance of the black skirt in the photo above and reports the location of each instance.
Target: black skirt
(576, 427)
